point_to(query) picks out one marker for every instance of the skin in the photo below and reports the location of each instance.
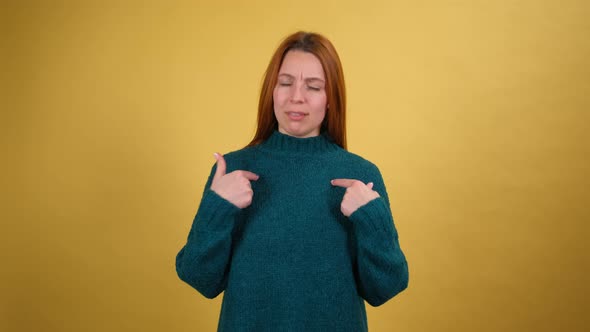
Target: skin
(235, 187)
(299, 98)
(300, 107)
(357, 194)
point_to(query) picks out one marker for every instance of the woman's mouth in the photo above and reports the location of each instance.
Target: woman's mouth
(296, 116)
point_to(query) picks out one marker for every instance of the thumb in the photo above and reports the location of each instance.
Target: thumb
(370, 185)
(221, 166)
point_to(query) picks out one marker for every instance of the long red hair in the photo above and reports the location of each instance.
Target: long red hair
(318, 45)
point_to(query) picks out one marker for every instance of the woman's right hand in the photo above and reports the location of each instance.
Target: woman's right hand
(235, 187)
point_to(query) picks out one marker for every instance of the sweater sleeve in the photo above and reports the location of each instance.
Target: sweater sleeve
(382, 266)
(203, 262)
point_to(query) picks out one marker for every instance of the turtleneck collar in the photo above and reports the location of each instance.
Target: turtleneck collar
(289, 144)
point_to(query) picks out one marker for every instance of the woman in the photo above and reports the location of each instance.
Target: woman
(296, 230)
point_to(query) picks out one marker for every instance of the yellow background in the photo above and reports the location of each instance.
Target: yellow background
(476, 112)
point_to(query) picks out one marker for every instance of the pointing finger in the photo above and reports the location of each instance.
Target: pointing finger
(221, 166)
(249, 175)
(344, 183)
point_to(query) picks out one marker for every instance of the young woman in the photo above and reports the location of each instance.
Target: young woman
(294, 228)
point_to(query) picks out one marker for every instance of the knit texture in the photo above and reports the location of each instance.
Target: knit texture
(291, 261)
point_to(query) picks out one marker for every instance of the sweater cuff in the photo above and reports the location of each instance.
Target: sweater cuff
(373, 217)
(217, 212)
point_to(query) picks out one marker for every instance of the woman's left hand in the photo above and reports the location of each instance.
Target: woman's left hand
(357, 194)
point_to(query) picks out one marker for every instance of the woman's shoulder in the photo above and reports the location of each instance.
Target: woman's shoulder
(356, 159)
(238, 159)
(242, 153)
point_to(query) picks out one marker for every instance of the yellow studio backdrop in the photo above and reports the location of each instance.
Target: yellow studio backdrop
(476, 112)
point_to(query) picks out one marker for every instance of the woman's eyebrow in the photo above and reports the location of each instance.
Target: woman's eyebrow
(308, 79)
(312, 79)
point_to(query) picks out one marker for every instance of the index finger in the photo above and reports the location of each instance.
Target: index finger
(344, 183)
(249, 175)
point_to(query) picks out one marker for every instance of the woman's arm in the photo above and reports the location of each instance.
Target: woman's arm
(203, 262)
(381, 267)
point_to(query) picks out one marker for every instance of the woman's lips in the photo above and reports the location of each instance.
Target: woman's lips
(296, 116)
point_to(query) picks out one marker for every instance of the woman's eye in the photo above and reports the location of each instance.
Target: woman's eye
(314, 88)
(284, 83)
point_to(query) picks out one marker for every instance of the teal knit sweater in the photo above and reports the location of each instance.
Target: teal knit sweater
(291, 261)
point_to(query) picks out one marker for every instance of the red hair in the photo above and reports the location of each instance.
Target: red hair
(335, 120)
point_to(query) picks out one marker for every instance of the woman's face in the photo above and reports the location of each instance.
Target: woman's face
(300, 95)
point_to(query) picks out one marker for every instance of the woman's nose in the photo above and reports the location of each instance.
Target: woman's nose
(297, 94)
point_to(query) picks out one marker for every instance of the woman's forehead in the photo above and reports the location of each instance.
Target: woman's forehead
(302, 64)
